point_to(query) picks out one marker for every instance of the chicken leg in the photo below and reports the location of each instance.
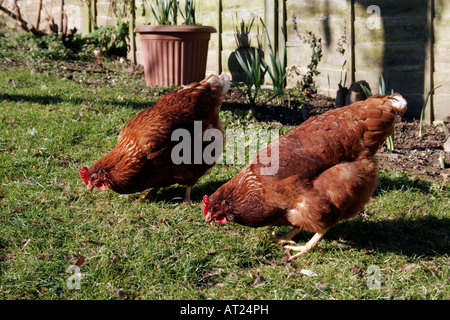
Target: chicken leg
(287, 237)
(187, 195)
(151, 193)
(311, 244)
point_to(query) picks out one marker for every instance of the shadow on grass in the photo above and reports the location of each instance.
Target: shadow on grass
(425, 237)
(176, 192)
(404, 182)
(54, 99)
(284, 115)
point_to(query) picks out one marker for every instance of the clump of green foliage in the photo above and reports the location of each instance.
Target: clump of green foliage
(278, 66)
(166, 12)
(315, 42)
(33, 48)
(114, 40)
(253, 71)
(254, 66)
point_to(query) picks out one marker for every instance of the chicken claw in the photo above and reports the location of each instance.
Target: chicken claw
(311, 244)
(150, 194)
(286, 238)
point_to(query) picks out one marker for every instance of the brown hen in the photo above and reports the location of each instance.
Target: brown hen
(327, 172)
(142, 156)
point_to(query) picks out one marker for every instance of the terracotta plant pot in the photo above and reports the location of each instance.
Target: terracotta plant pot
(174, 54)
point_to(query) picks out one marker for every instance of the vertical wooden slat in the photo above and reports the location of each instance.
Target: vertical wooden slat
(61, 18)
(429, 61)
(86, 12)
(351, 41)
(219, 36)
(272, 24)
(284, 31)
(39, 15)
(131, 33)
(94, 14)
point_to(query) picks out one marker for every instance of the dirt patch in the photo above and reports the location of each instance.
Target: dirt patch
(420, 157)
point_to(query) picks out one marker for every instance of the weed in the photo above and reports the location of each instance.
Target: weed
(277, 69)
(252, 72)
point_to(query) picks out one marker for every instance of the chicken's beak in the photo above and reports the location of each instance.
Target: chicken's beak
(90, 187)
(208, 218)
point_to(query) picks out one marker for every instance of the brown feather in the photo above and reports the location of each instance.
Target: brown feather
(141, 158)
(327, 170)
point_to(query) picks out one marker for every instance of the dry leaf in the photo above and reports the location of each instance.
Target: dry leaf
(7, 256)
(322, 286)
(80, 261)
(408, 267)
(122, 294)
(25, 243)
(258, 282)
(308, 273)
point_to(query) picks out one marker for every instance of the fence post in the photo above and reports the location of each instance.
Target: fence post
(131, 33)
(86, 13)
(271, 20)
(219, 37)
(94, 14)
(351, 41)
(429, 61)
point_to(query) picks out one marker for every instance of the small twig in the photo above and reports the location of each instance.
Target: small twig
(103, 38)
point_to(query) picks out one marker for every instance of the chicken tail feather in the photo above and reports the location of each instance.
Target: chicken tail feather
(398, 103)
(222, 81)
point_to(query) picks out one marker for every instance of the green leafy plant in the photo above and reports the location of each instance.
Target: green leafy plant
(253, 71)
(307, 82)
(277, 70)
(189, 13)
(165, 12)
(422, 112)
(114, 41)
(38, 48)
(242, 32)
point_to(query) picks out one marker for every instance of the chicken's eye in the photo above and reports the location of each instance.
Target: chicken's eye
(216, 208)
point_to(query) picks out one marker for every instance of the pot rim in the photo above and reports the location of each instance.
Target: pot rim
(173, 28)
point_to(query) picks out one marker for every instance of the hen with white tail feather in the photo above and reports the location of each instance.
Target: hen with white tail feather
(327, 172)
(141, 158)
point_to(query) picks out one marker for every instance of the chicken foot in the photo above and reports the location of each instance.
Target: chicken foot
(151, 193)
(287, 237)
(311, 244)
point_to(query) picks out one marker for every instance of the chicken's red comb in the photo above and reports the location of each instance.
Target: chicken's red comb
(205, 205)
(84, 174)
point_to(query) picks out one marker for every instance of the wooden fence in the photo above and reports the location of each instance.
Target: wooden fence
(408, 42)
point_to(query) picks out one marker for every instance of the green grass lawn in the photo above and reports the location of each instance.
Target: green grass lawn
(162, 249)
